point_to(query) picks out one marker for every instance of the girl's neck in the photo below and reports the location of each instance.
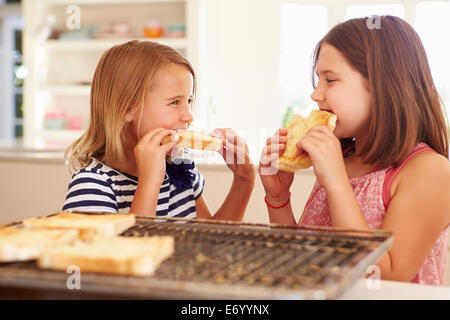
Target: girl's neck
(129, 166)
(360, 142)
(354, 163)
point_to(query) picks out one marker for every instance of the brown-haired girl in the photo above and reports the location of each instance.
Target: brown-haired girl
(386, 164)
(142, 92)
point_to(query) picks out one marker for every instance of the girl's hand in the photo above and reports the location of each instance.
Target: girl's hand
(235, 154)
(324, 149)
(150, 155)
(276, 183)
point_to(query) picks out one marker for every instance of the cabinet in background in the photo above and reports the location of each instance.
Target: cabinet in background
(63, 42)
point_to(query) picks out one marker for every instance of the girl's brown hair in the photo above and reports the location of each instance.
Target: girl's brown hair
(119, 89)
(406, 106)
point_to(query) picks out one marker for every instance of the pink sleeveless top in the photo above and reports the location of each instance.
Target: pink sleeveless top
(372, 193)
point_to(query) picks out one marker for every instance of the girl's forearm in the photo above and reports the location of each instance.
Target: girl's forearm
(145, 199)
(233, 208)
(282, 215)
(346, 213)
(344, 208)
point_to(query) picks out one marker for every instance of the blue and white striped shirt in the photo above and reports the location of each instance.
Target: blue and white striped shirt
(99, 188)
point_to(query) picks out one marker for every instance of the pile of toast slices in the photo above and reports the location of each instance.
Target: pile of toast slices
(91, 242)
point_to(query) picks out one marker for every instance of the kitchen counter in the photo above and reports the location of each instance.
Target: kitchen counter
(392, 290)
(17, 150)
(41, 176)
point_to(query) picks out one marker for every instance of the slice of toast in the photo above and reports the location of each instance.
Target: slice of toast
(196, 140)
(138, 256)
(297, 129)
(89, 226)
(21, 244)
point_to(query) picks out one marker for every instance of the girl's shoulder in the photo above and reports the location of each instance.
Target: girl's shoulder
(98, 169)
(93, 166)
(427, 162)
(427, 168)
(423, 186)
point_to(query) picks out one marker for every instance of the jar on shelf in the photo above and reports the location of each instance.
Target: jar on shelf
(153, 29)
(176, 31)
(55, 120)
(74, 123)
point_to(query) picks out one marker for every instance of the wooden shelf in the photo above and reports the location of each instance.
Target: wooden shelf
(107, 2)
(71, 90)
(63, 134)
(105, 44)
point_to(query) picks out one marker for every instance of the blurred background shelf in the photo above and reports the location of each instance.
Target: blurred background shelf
(106, 2)
(68, 89)
(62, 53)
(105, 44)
(64, 134)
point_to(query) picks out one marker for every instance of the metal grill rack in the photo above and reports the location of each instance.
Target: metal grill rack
(225, 260)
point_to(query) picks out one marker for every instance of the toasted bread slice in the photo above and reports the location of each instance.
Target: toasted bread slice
(297, 129)
(89, 226)
(20, 244)
(138, 256)
(196, 140)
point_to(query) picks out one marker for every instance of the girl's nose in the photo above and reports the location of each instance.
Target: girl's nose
(317, 94)
(187, 116)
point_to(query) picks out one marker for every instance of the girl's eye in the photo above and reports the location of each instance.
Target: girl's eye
(330, 80)
(175, 102)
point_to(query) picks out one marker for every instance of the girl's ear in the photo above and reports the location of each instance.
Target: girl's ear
(129, 116)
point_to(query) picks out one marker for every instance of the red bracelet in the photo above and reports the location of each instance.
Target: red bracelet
(271, 206)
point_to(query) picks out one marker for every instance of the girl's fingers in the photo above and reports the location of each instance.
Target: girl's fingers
(282, 132)
(276, 139)
(158, 137)
(218, 133)
(299, 150)
(308, 144)
(148, 136)
(238, 151)
(275, 148)
(323, 129)
(271, 153)
(317, 135)
(267, 159)
(167, 148)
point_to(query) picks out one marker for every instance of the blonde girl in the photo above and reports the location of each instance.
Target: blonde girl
(142, 92)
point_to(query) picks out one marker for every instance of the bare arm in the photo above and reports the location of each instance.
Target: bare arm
(418, 212)
(236, 155)
(282, 215)
(145, 199)
(233, 208)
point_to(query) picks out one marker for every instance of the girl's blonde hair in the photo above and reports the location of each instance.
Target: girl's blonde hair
(121, 83)
(406, 106)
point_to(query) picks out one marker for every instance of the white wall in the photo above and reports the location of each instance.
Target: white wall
(242, 68)
(240, 78)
